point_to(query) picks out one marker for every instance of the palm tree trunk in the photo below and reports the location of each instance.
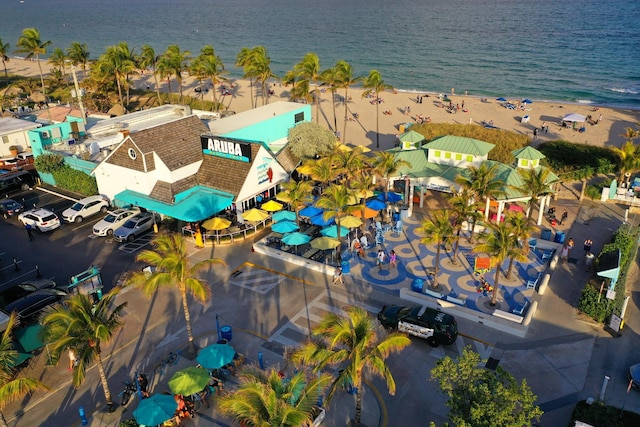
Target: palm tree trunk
(155, 77)
(251, 91)
(41, 79)
(179, 78)
(333, 104)
(473, 230)
(358, 404)
(454, 260)
(317, 99)
(377, 121)
(3, 422)
(120, 92)
(582, 188)
(214, 96)
(187, 318)
(103, 380)
(494, 294)
(510, 269)
(436, 267)
(346, 115)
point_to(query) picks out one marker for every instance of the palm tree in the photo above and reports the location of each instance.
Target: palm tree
(31, 44)
(387, 164)
(535, 184)
(173, 62)
(59, 60)
(4, 56)
(322, 170)
(498, 246)
(331, 78)
(521, 229)
(335, 201)
(439, 231)
(374, 85)
(483, 182)
(174, 270)
(362, 184)
(308, 70)
(116, 64)
(348, 162)
(261, 68)
(82, 326)
(298, 195)
(345, 80)
(12, 388)
(244, 59)
(629, 159)
(148, 60)
(267, 399)
(78, 54)
(354, 345)
(463, 210)
(210, 65)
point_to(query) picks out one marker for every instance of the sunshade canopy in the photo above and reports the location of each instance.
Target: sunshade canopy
(322, 221)
(375, 204)
(310, 211)
(189, 381)
(216, 223)
(574, 117)
(324, 243)
(272, 206)
(285, 227)
(216, 356)
(155, 410)
(295, 239)
(255, 215)
(368, 213)
(284, 216)
(332, 231)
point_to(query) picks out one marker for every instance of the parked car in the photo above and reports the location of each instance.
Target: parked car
(113, 221)
(135, 226)
(420, 321)
(15, 182)
(35, 302)
(40, 219)
(17, 292)
(9, 208)
(86, 207)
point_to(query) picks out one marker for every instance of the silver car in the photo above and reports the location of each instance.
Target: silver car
(112, 221)
(135, 226)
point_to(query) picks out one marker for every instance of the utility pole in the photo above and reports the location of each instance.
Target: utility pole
(78, 94)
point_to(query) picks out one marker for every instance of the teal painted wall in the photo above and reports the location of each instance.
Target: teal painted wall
(271, 129)
(39, 144)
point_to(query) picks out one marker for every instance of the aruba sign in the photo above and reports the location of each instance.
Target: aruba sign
(226, 147)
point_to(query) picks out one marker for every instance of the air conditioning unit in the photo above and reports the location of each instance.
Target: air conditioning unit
(44, 135)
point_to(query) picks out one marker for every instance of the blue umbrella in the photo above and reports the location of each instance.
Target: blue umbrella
(216, 356)
(527, 101)
(310, 211)
(295, 239)
(391, 197)
(319, 220)
(283, 216)
(501, 99)
(332, 231)
(376, 204)
(155, 410)
(285, 227)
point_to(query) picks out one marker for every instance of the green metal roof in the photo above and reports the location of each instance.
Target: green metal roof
(195, 204)
(417, 159)
(460, 144)
(528, 153)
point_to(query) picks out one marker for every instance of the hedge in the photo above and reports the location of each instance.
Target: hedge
(625, 239)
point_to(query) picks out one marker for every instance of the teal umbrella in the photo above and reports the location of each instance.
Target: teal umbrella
(216, 356)
(155, 410)
(295, 239)
(189, 381)
(283, 216)
(331, 231)
(285, 227)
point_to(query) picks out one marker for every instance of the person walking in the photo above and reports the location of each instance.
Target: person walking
(29, 231)
(73, 360)
(337, 276)
(587, 246)
(588, 260)
(564, 216)
(380, 259)
(564, 253)
(393, 259)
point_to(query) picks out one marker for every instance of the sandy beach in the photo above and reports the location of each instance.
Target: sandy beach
(362, 129)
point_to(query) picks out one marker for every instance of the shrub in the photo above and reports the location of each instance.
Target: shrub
(76, 181)
(598, 414)
(564, 157)
(49, 163)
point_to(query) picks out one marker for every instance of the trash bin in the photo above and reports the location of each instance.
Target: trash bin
(545, 234)
(226, 333)
(396, 216)
(346, 267)
(559, 237)
(417, 285)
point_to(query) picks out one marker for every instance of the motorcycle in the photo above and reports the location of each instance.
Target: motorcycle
(130, 388)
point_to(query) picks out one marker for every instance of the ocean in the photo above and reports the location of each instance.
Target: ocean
(581, 51)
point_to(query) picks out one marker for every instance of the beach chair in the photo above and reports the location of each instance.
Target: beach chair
(531, 284)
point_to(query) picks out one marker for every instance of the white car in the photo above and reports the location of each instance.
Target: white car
(40, 219)
(85, 207)
(113, 221)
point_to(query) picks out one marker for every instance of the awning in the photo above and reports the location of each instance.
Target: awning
(29, 338)
(195, 204)
(609, 266)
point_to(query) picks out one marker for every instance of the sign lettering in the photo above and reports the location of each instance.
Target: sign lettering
(227, 148)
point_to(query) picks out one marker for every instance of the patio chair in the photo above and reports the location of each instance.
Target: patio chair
(521, 308)
(532, 244)
(532, 284)
(547, 254)
(398, 227)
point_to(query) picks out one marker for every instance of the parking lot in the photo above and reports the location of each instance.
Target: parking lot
(65, 251)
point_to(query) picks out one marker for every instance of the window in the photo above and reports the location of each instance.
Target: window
(5, 139)
(534, 163)
(469, 158)
(447, 155)
(524, 162)
(458, 156)
(132, 153)
(298, 117)
(436, 153)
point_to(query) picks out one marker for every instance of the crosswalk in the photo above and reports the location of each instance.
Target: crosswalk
(256, 279)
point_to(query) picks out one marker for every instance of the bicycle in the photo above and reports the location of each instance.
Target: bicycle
(171, 359)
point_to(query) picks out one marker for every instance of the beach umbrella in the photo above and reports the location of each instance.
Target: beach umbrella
(501, 99)
(189, 381)
(574, 117)
(272, 206)
(295, 239)
(515, 208)
(285, 227)
(216, 356)
(368, 213)
(412, 136)
(310, 211)
(332, 231)
(216, 223)
(376, 204)
(350, 221)
(321, 221)
(527, 101)
(255, 215)
(324, 243)
(391, 197)
(155, 410)
(284, 216)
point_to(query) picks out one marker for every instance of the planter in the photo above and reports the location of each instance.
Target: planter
(13, 150)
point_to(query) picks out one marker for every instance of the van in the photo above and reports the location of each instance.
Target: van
(15, 182)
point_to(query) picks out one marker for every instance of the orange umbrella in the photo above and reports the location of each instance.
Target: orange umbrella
(368, 213)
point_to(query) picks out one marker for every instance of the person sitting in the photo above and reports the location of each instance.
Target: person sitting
(182, 411)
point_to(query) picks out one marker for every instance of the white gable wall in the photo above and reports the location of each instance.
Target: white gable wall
(257, 179)
(113, 179)
(450, 158)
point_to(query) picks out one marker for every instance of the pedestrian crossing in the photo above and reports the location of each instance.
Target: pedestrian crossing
(256, 279)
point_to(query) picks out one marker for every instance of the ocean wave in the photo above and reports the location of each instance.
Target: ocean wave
(624, 90)
(585, 101)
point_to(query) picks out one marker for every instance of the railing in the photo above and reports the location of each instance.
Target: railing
(229, 235)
